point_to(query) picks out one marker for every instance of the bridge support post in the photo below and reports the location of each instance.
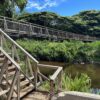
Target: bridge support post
(5, 24)
(1, 41)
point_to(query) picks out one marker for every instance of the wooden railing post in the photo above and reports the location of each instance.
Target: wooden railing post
(18, 86)
(30, 30)
(47, 32)
(3, 69)
(5, 24)
(29, 65)
(60, 81)
(51, 89)
(13, 52)
(19, 28)
(1, 41)
(41, 32)
(35, 76)
(13, 84)
(33, 30)
(7, 76)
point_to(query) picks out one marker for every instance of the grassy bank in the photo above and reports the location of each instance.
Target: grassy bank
(80, 83)
(69, 52)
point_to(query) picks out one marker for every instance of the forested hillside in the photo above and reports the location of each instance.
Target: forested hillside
(86, 22)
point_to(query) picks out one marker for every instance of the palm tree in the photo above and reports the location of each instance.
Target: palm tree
(7, 7)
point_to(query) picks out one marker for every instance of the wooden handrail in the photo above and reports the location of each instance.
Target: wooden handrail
(54, 76)
(56, 73)
(48, 66)
(23, 50)
(15, 64)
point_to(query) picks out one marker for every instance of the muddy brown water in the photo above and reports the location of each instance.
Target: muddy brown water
(93, 70)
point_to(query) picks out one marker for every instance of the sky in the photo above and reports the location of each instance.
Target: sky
(62, 7)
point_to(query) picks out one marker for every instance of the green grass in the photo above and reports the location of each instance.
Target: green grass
(80, 83)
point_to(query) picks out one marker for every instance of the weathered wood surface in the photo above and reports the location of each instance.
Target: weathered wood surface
(19, 28)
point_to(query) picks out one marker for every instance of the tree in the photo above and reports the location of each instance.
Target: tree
(86, 22)
(8, 7)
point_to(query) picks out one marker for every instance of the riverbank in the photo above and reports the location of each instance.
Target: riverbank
(68, 52)
(92, 70)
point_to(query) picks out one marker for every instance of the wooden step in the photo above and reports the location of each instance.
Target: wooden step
(24, 83)
(9, 63)
(1, 65)
(26, 90)
(22, 77)
(11, 68)
(2, 55)
(2, 59)
(3, 92)
(11, 74)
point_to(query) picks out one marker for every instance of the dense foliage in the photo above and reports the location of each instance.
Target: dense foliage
(8, 7)
(80, 83)
(86, 22)
(73, 51)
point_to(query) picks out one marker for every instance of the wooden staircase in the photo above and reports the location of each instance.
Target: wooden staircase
(26, 88)
(20, 73)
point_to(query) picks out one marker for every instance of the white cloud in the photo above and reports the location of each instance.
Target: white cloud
(43, 4)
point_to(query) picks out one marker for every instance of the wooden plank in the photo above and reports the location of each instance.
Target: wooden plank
(18, 86)
(43, 76)
(60, 81)
(35, 77)
(29, 66)
(54, 76)
(48, 66)
(3, 92)
(3, 69)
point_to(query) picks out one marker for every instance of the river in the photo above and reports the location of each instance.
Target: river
(93, 70)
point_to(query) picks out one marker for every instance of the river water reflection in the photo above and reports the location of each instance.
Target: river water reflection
(93, 70)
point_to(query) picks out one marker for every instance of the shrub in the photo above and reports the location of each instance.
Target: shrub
(73, 51)
(80, 83)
